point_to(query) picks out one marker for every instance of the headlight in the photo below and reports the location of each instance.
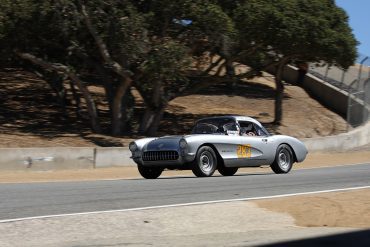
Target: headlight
(183, 144)
(133, 147)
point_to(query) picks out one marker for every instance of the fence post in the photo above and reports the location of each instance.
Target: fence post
(342, 79)
(326, 72)
(349, 103)
(360, 71)
(366, 112)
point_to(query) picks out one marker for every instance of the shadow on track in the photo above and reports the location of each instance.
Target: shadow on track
(358, 239)
(214, 176)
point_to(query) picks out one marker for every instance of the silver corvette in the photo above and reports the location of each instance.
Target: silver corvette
(218, 143)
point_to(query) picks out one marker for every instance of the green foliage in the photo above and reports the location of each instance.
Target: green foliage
(123, 29)
(313, 30)
(166, 61)
(211, 19)
(149, 39)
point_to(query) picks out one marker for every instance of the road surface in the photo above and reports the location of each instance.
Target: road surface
(40, 199)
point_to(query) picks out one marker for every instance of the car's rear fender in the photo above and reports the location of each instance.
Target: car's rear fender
(293, 151)
(298, 147)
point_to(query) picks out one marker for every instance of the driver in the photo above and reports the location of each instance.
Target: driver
(249, 130)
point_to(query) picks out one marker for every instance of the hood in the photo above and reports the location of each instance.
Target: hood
(164, 143)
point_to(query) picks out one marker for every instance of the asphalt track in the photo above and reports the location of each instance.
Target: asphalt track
(39, 199)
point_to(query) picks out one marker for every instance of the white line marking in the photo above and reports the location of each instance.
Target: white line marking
(185, 204)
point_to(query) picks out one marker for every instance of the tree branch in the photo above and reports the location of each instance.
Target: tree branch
(201, 82)
(245, 53)
(212, 66)
(91, 107)
(101, 45)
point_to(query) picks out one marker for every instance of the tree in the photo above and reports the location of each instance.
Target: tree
(80, 42)
(48, 49)
(156, 46)
(179, 33)
(308, 30)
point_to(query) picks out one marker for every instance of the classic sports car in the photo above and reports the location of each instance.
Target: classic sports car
(224, 143)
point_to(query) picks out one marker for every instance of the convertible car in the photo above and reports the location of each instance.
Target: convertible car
(218, 143)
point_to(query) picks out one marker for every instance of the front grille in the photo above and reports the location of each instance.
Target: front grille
(160, 155)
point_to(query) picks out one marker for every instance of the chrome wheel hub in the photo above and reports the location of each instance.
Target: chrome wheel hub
(206, 162)
(284, 160)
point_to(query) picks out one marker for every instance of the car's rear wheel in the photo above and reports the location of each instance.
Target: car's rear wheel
(227, 171)
(284, 159)
(149, 172)
(205, 163)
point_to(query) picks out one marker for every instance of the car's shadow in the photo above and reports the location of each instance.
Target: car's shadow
(212, 177)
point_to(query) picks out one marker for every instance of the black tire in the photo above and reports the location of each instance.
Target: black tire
(227, 171)
(205, 163)
(284, 159)
(149, 172)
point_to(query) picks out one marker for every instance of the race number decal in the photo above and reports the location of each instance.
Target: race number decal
(244, 151)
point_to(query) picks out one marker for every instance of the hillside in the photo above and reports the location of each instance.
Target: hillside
(30, 117)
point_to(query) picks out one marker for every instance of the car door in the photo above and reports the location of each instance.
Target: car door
(253, 150)
(227, 144)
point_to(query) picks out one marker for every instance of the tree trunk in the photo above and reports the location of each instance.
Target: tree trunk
(118, 98)
(279, 102)
(154, 111)
(90, 103)
(230, 72)
(108, 80)
(118, 116)
(279, 94)
(56, 83)
(76, 97)
(151, 121)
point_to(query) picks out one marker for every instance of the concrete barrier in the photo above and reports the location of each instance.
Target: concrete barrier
(61, 158)
(342, 142)
(42, 159)
(113, 157)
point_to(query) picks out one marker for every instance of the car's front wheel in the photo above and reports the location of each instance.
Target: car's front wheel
(284, 159)
(149, 172)
(205, 163)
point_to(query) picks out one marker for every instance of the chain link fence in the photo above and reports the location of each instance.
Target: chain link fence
(355, 81)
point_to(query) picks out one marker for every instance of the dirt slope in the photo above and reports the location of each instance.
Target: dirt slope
(30, 117)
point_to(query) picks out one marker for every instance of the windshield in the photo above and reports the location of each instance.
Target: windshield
(246, 128)
(262, 131)
(214, 126)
